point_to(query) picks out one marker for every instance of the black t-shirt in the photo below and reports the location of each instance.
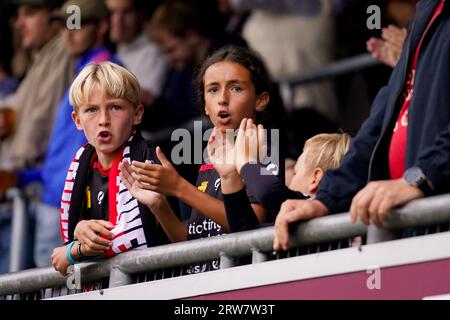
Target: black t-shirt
(198, 225)
(97, 195)
(135, 225)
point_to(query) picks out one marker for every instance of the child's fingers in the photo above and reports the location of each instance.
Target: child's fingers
(125, 181)
(144, 165)
(262, 143)
(125, 175)
(106, 224)
(151, 186)
(95, 245)
(240, 139)
(162, 158)
(212, 138)
(144, 179)
(100, 229)
(125, 163)
(242, 128)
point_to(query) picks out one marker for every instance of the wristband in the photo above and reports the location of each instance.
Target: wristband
(68, 255)
(80, 254)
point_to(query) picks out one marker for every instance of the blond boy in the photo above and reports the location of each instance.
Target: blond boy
(99, 217)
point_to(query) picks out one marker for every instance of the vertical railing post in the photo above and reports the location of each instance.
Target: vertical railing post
(258, 256)
(118, 278)
(375, 235)
(226, 261)
(19, 234)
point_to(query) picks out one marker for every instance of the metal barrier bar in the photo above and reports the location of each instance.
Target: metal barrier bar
(423, 212)
(335, 69)
(19, 234)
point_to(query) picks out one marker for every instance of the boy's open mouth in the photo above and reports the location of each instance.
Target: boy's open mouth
(104, 136)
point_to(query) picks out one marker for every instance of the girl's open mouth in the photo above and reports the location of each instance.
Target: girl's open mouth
(224, 117)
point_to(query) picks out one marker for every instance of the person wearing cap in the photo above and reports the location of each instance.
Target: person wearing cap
(40, 91)
(135, 48)
(85, 45)
(35, 101)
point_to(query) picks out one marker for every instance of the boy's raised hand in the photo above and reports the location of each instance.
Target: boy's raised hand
(147, 197)
(221, 153)
(161, 178)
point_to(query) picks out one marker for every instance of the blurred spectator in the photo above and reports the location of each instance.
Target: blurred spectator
(85, 45)
(186, 32)
(32, 107)
(305, 32)
(401, 12)
(388, 49)
(134, 48)
(8, 84)
(233, 18)
(38, 95)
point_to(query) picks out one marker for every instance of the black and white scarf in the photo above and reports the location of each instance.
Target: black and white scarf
(134, 224)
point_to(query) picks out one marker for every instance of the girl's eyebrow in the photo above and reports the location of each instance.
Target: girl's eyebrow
(228, 82)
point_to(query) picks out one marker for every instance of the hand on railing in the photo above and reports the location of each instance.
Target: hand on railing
(374, 202)
(94, 236)
(291, 211)
(59, 260)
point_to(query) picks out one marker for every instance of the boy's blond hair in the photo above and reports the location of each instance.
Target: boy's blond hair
(326, 151)
(114, 81)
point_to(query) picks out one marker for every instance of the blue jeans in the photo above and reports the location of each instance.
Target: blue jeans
(47, 235)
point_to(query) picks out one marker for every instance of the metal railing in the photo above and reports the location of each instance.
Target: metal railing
(121, 269)
(335, 69)
(330, 71)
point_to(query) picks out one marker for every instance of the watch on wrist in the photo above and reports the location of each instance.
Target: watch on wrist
(415, 177)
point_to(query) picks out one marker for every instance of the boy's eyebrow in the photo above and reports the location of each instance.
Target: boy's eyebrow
(107, 102)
